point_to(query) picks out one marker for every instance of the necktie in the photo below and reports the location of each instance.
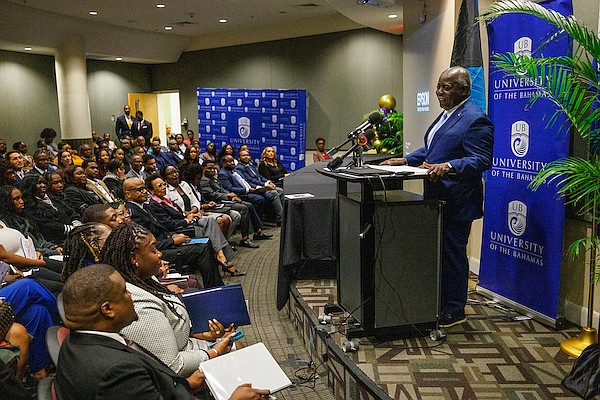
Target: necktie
(437, 126)
(241, 180)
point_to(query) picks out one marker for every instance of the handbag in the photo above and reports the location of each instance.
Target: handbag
(7, 317)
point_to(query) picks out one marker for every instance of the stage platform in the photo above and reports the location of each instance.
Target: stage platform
(491, 356)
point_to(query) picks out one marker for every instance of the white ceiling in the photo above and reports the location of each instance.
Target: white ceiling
(135, 30)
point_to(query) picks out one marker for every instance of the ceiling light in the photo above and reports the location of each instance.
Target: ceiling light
(168, 28)
(119, 58)
(28, 49)
(393, 16)
(222, 21)
(93, 12)
(160, 6)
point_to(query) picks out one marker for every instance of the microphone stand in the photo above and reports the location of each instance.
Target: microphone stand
(337, 148)
(357, 157)
(338, 161)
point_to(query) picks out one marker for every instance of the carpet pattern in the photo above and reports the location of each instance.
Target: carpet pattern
(491, 356)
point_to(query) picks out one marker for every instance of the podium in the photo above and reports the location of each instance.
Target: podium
(389, 256)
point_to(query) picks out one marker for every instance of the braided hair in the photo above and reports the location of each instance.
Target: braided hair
(118, 251)
(78, 249)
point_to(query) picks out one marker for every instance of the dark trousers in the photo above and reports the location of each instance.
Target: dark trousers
(257, 201)
(200, 258)
(250, 221)
(455, 267)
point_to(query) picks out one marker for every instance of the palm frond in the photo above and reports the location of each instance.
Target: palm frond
(576, 178)
(573, 95)
(580, 33)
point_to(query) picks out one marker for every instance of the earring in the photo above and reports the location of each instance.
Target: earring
(137, 265)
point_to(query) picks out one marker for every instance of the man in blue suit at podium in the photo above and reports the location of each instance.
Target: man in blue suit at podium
(458, 148)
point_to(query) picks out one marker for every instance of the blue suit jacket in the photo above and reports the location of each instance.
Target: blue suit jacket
(230, 184)
(251, 175)
(466, 141)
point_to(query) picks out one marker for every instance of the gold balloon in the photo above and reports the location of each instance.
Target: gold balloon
(387, 101)
(384, 150)
(376, 143)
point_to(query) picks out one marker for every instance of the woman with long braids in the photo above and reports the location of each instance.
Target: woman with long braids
(163, 326)
(83, 246)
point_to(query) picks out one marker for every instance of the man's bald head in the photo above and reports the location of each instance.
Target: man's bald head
(134, 190)
(95, 298)
(453, 87)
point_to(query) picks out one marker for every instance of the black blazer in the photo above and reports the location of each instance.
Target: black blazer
(117, 372)
(121, 127)
(144, 218)
(81, 198)
(173, 220)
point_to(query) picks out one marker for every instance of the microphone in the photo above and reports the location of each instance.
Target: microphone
(374, 119)
(361, 141)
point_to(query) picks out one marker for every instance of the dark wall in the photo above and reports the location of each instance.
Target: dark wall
(343, 73)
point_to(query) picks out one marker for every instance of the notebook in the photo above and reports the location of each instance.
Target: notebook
(225, 303)
(253, 364)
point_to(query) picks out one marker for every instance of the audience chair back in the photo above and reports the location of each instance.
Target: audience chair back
(61, 307)
(46, 389)
(55, 336)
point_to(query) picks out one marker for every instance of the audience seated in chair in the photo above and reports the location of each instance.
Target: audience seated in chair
(163, 326)
(249, 221)
(199, 257)
(173, 218)
(52, 220)
(77, 193)
(271, 168)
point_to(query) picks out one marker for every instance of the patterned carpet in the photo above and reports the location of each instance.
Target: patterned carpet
(491, 356)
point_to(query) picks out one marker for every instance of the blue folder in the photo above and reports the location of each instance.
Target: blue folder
(224, 303)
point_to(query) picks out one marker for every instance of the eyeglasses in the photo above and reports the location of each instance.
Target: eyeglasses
(160, 185)
(140, 189)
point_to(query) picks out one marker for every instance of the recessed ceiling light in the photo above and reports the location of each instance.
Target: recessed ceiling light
(222, 21)
(28, 49)
(393, 16)
(168, 28)
(93, 12)
(119, 58)
(160, 6)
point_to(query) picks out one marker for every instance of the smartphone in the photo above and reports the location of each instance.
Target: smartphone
(238, 336)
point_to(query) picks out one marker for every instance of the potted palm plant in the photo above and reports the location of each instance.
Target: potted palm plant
(571, 83)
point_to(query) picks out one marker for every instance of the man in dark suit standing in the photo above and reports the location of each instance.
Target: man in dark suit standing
(458, 148)
(124, 123)
(141, 127)
(96, 362)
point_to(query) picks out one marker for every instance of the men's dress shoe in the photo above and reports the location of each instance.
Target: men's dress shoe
(248, 243)
(447, 320)
(262, 236)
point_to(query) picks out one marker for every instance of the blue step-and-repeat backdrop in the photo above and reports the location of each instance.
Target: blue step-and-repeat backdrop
(257, 118)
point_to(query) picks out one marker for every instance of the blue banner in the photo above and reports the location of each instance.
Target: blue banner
(521, 252)
(257, 118)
